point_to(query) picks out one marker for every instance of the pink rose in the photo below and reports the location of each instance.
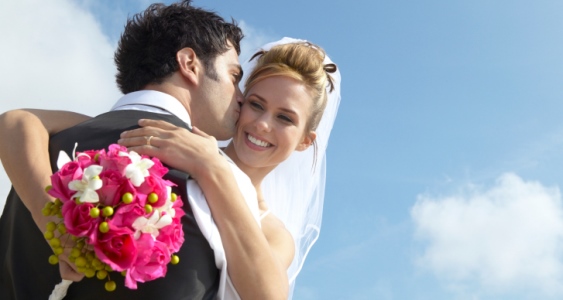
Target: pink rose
(111, 191)
(177, 205)
(125, 215)
(111, 160)
(172, 235)
(152, 258)
(157, 169)
(77, 219)
(59, 181)
(116, 248)
(157, 185)
(86, 158)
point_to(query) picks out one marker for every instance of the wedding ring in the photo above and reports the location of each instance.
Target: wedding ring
(148, 140)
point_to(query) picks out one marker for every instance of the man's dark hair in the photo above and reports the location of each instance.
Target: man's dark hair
(146, 52)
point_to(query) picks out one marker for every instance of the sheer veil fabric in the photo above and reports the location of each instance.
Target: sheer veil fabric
(295, 189)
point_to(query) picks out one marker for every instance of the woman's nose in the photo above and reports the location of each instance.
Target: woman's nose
(263, 123)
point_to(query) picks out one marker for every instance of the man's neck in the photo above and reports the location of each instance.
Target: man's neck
(172, 89)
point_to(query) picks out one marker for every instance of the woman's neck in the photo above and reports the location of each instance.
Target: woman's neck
(256, 174)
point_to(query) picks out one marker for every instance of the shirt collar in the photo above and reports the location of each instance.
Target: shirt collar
(156, 99)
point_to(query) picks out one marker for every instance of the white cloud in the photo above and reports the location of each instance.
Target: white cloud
(506, 238)
(253, 39)
(54, 56)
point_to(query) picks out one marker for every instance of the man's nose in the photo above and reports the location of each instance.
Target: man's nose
(239, 96)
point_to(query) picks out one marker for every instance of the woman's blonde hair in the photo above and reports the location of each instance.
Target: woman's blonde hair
(302, 61)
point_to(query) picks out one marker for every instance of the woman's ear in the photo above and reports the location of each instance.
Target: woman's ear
(307, 141)
(188, 64)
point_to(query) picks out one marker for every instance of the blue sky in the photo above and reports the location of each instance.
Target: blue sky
(444, 165)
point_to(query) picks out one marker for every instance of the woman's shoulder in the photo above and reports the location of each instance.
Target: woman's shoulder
(279, 237)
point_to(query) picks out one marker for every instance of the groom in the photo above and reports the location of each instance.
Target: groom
(175, 63)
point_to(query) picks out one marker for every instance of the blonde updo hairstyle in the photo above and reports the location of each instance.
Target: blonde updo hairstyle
(302, 61)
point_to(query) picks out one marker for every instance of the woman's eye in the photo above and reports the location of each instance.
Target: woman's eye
(255, 105)
(285, 119)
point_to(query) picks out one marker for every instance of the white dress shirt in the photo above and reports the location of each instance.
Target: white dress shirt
(157, 102)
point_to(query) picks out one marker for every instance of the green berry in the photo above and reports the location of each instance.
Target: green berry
(96, 157)
(79, 245)
(89, 256)
(174, 259)
(58, 202)
(94, 212)
(107, 211)
(101, 274)
(96, 262)
(46, 211)
(48, 235)
(48, 188)
(148, 208)
(104, 227)
(53, 259)
(110, 286)
(173, 197)
(58, 250)
(127, 198)
(55, 242)
(153, 198)
(90, 273)
(61, 228)
(51, 226)
(75, 252)
(80, 261)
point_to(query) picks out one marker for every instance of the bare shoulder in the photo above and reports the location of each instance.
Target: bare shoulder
(279, 238)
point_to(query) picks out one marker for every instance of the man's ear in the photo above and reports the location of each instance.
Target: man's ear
(188, 64)
(307, 141)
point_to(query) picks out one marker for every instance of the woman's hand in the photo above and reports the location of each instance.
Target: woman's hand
(192, 152)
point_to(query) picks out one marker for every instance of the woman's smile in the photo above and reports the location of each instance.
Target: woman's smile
(257, 143)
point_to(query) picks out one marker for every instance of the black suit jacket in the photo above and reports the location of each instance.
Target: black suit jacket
(25, 272)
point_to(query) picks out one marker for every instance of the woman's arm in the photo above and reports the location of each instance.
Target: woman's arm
(258, 258)
(26, 158)
(26, 161)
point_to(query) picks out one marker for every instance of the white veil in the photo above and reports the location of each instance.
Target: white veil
(294, 190)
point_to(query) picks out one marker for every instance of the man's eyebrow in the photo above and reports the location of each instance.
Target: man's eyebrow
(240, 71)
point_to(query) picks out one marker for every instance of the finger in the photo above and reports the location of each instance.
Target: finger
(157, 124)
(68, 273)
(138, 141)
(138, 132)
(145, 150)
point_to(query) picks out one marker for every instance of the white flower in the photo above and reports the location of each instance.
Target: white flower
(64, 158)
(167, 207)
(151, 225)
(138, 169)
(87, 186)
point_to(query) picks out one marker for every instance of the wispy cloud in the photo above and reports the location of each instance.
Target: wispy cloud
(54, 56)
(505, 238)
(253, 39)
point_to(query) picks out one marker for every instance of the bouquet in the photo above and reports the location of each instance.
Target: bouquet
(120, 213)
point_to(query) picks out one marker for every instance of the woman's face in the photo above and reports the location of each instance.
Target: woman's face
(272, 122)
